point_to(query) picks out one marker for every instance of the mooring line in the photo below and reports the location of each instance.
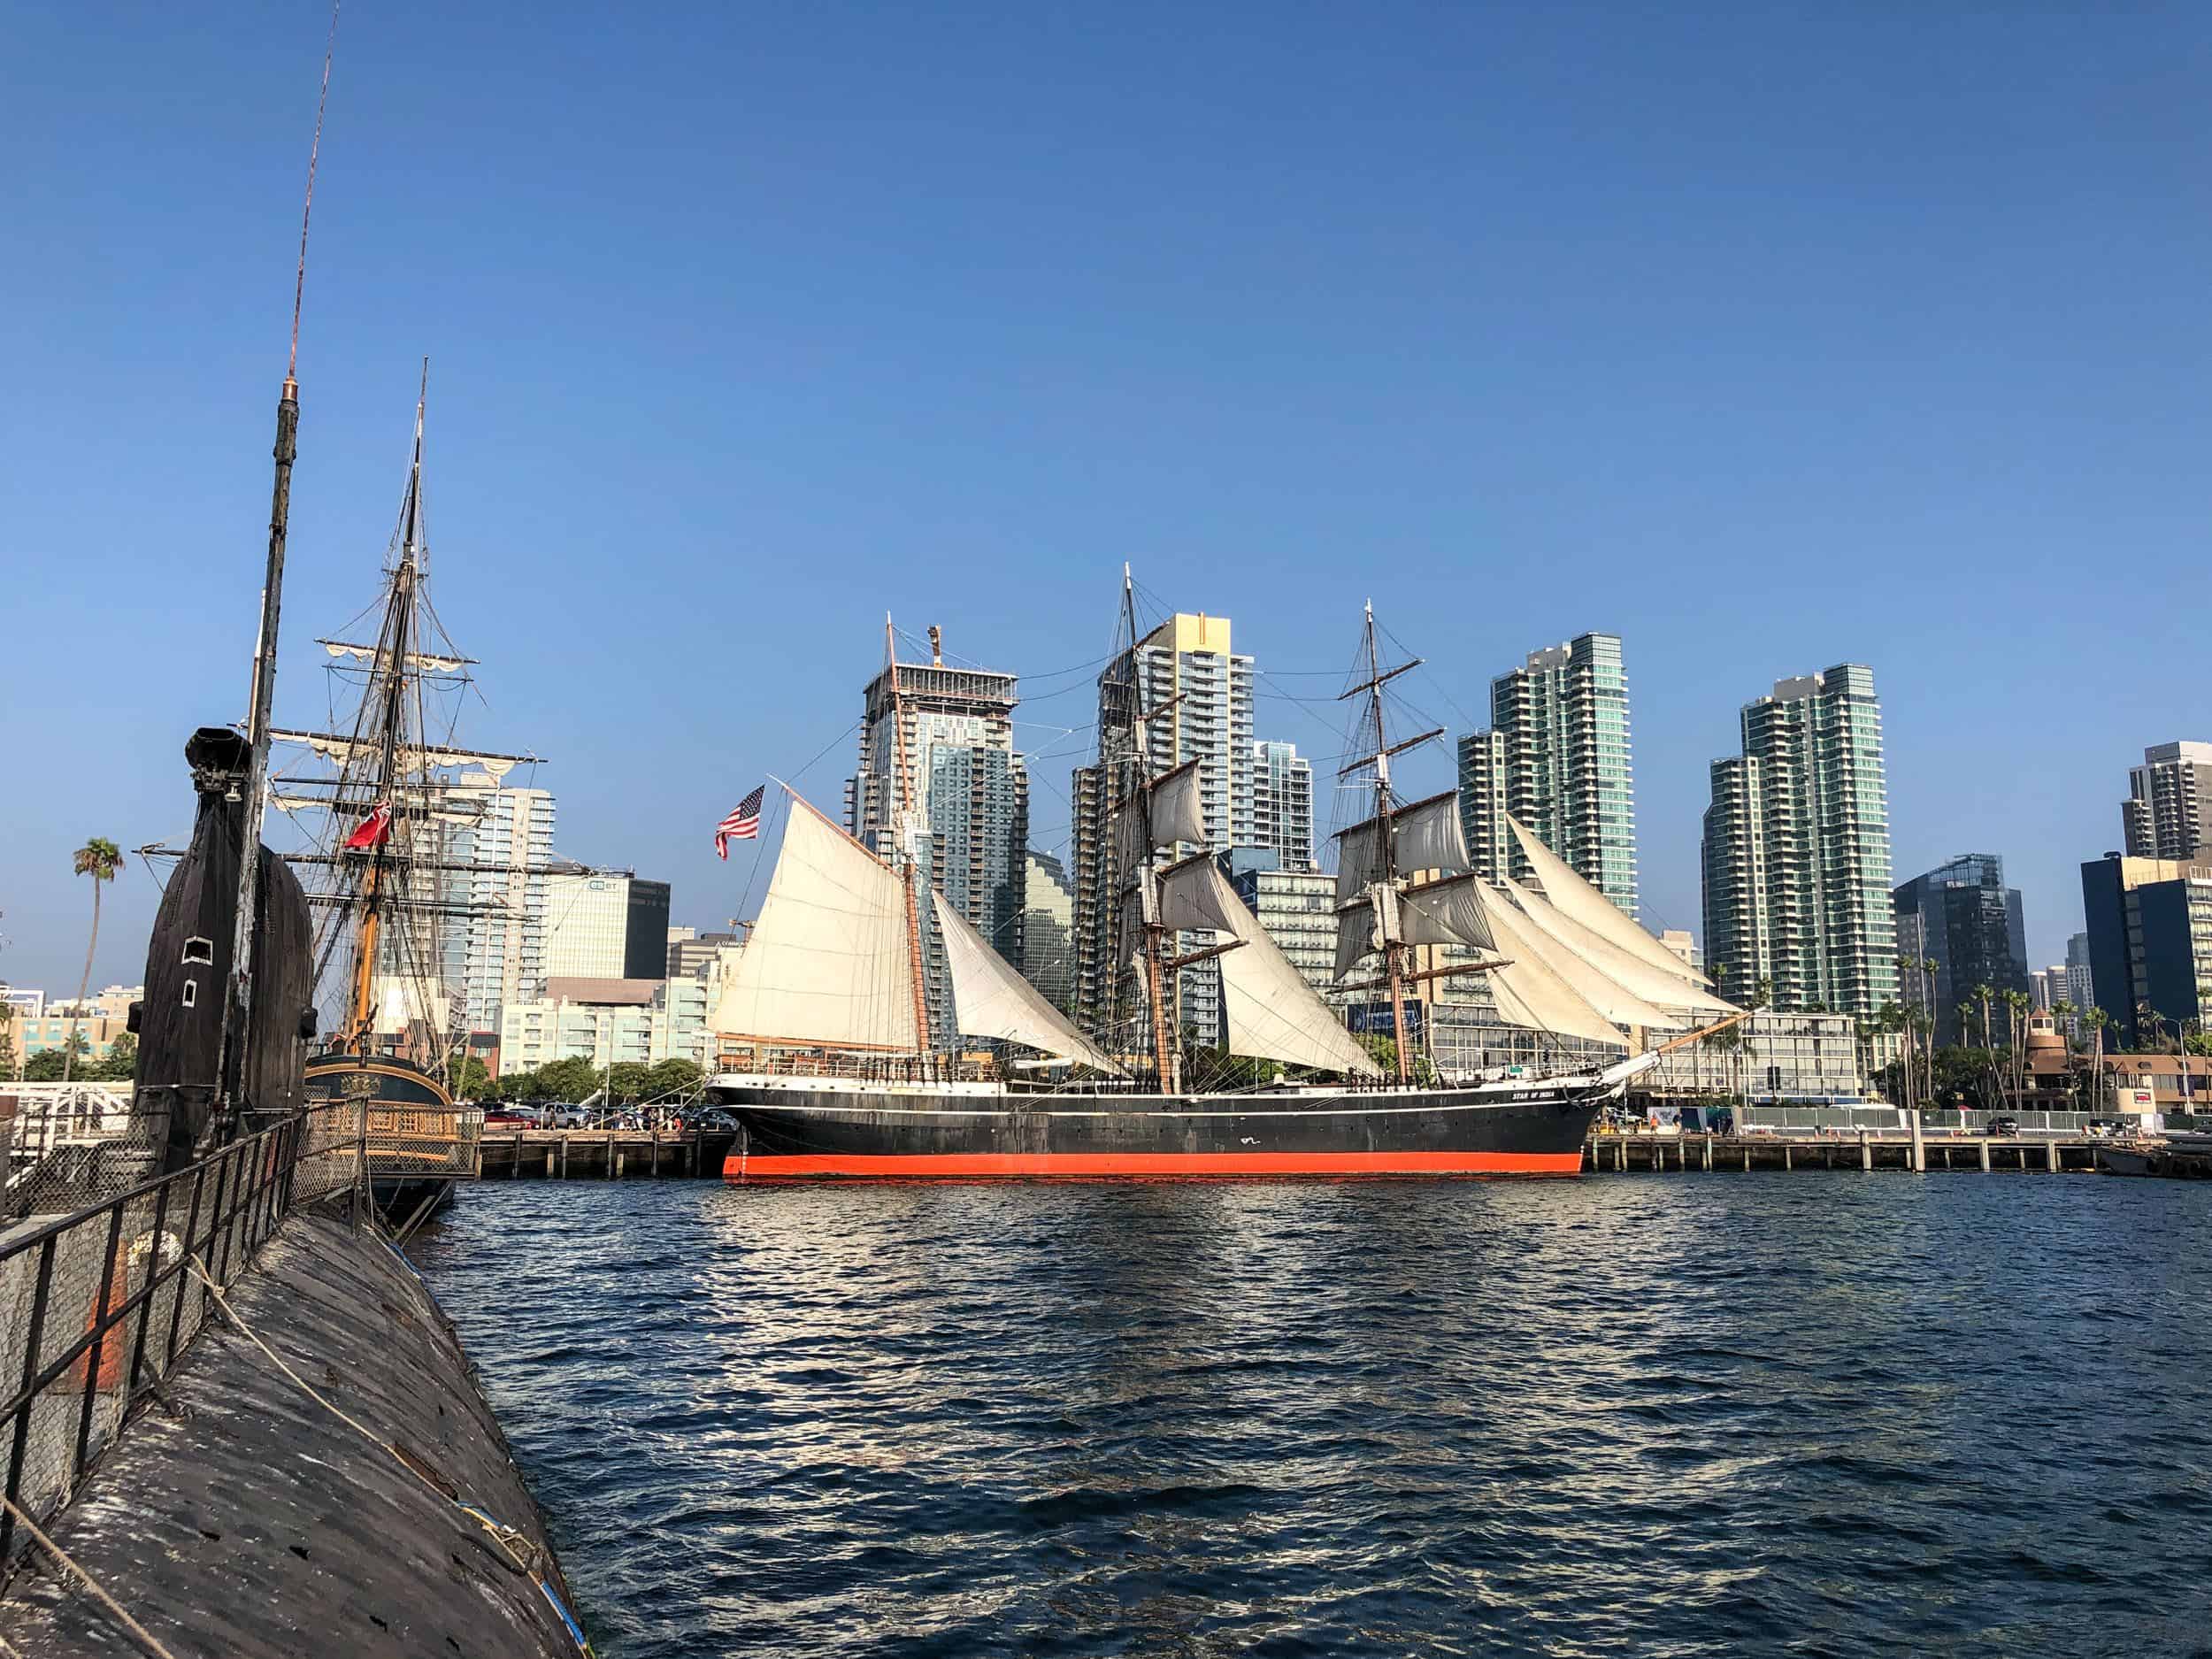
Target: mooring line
(89, 1582)
(511, 1542)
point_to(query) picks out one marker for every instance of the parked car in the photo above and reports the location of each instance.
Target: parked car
(509, 1118)
(711, 1119)
(2006, 1126)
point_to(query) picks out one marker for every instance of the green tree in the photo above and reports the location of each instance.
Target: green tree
(99, 859)
(626, 1080)
(48, 1065)
(2198, 1042)
(467, 1077)
(672, 1077)
(120, 1063)
(569, 1080)
(7, 1040)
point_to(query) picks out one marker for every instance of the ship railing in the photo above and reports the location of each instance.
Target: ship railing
(97, 1306)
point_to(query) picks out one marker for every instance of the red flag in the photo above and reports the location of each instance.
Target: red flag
(374, 831)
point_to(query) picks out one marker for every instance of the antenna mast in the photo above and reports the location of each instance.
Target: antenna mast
(231, 1072)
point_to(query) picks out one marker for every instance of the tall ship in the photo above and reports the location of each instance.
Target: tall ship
(841, 1080)
(375, 798)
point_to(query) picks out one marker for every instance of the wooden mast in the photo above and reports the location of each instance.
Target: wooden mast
(1394, 962)
(395, 641)
(1155, 972)
(902, 825)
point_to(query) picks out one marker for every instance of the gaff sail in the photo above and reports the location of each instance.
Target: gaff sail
(827, 961)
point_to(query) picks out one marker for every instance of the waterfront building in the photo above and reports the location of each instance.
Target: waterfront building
(1796, 854)
(1962, 915)
(1682, 943)
(1188, 670)
(27, 1003)
(496, 955)
(1281, 810)
(2168, 813)
(1556, 757)
(604, 925)
(1784, 1059)
(695, 956)
(1296, 907)
(952, 730)
(1048, 929)
(2150, 945)
(608, 1020)
(2081, 984)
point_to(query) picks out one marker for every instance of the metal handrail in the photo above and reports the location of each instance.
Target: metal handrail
(254, 1186)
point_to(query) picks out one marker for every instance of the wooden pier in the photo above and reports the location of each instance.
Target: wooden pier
(603, 1155)
(1986, 1155)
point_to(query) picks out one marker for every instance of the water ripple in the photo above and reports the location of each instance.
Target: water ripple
(1671, 1415)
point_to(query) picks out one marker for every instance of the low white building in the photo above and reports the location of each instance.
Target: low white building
(607, 1022)
(1803, 1058)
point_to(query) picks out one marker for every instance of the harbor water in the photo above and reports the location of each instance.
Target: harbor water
(1667, 1414)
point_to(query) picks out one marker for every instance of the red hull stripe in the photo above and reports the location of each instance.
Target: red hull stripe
(1018, 1165)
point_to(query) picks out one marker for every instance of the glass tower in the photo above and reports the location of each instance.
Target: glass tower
(1556, 757)
(1796, 850)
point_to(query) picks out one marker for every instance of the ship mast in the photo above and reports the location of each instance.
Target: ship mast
(905, 834)
(395, 647)
(1155, 972)
(1394, 961)
(231, 1069)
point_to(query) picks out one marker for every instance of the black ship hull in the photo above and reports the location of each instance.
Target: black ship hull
(798, 1130)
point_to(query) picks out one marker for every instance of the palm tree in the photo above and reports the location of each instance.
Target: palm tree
(100, 859)
(2096, 1020)
(2017, 1006)
(1981, 993)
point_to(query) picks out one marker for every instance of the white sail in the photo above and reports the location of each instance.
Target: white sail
(1268, 1009)
(828, 961)
(1631, 972)
(1576, 899)
(1450, 912)
(1355, 935)
(992, 1000)
(1529, 994)
(1179, 811)
(1195, 896)
(1592, 983)
(1427, 836)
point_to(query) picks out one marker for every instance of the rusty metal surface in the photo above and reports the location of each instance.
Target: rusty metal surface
(237, 1517)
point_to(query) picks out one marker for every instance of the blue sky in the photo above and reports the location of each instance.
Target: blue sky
(1767, 336)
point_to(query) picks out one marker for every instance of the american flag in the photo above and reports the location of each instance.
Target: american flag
(742, 825)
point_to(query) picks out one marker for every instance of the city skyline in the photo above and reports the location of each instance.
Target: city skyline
(1729, 403)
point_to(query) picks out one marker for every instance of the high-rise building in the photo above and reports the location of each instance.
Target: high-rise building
(1556, 757)
(1281, 817)
(1048, 929)
(604, 925)
(1796, 850)
(1963, 917)
(1187, 672)
(952, 745)
(496, 956)
(2150, 944)
(1682, 943)
(2081, 983)
(2168, 813)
